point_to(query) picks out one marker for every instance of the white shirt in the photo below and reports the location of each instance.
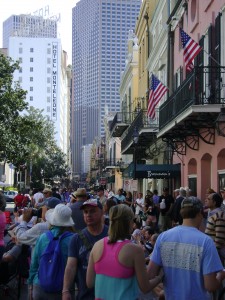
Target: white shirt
(37, 197)
(139, 201)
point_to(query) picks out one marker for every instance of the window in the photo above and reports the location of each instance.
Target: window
(48, 109)
(31, 49)
(48, 80)
(48, 50)
(48, 99)
(31, 98)
(48, 61)
(20, 60)
(48, 70)
(31, 69)
(48, 89)
(20, 70)
(31, 79)
(20, 50)
(20, 79)
(31, 59)
(31, 88)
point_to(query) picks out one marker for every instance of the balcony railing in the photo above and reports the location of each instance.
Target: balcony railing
(120, 118)
(141, 122)
(113, 162)
(204, 86)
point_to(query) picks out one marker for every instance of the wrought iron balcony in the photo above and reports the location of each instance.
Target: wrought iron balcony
(113, 162)
(204, 87)
(146, 127)
(120, 123)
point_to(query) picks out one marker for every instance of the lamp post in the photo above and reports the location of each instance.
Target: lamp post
(220, 122)
(135, 140)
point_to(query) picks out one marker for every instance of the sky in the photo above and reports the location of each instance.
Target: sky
(53, 7)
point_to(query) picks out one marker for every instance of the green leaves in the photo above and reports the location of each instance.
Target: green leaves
(26, 135)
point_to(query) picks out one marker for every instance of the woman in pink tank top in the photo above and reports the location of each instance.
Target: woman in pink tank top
(116, 266)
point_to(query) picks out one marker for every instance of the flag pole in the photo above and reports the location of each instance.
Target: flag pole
(212, 58)
(205, 51)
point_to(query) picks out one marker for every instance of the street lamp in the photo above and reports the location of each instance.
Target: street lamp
(135, 140)
(220, 122)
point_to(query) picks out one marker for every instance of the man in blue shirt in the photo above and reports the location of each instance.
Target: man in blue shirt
(188, 257)
(120, 197)
(80, 248)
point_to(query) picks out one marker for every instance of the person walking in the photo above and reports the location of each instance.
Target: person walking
(215, 226)
(188, 257)
(79, 251)
(77, 214)
(101, 195)
(116, 266)
(222, 192)
(165, 203)
(60, 220)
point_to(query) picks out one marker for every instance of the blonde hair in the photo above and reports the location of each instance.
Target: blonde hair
(120, 217)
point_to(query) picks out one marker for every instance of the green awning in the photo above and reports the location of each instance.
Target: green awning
(152, 171)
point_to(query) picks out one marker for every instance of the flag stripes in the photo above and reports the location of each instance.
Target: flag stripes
(157, 91)
(191, 49)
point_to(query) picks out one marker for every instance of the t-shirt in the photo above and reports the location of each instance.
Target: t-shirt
(155, 199)
(38, 197)
(141, 202)
(120, 198)
(186, 254)
(78, 250)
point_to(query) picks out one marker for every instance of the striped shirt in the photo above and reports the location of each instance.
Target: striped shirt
(215, 228)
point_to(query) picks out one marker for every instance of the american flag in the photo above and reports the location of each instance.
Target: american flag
(191, 49)
(157, 91)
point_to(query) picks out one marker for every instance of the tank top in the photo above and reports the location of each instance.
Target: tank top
(114, 280)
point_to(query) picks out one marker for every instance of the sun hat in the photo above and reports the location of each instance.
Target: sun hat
(81, 192)
(73, 194)
(92, 202)
(60, 216)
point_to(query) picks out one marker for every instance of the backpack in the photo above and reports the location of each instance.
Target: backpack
(52, 266)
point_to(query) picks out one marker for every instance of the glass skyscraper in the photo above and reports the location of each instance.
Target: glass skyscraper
(99, 37)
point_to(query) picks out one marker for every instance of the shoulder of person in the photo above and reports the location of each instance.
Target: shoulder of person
(133, 248)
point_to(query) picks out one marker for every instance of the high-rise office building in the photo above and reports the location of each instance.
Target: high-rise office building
(100, 30)
(28, 26)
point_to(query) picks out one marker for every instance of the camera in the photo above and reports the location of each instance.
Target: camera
(37, 212)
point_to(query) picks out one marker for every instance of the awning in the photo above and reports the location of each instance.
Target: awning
(153, 171)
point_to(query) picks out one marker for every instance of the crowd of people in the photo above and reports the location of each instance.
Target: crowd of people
(116, 246)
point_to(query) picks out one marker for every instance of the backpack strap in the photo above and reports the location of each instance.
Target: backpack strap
(85, 241)
(51, 236)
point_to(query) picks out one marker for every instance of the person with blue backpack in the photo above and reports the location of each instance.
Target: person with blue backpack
(50, 256)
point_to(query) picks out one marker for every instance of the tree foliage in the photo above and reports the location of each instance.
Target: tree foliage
(27, 137)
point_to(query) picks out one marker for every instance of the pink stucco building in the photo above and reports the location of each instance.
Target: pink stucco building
(189, 116)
